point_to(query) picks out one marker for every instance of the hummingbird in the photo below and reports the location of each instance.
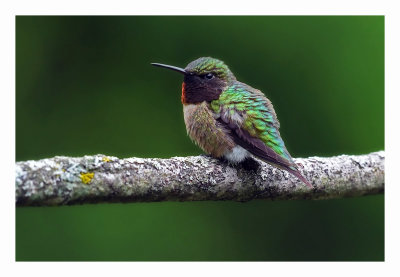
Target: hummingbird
(229, 119)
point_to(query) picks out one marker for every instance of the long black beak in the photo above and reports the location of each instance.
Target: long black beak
(177, 69)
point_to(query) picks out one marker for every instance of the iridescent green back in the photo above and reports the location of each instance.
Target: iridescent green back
(257, 113)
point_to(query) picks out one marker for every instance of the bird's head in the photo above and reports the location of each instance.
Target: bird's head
(204, 79)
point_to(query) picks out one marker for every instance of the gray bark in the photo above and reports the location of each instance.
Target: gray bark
(98, 178)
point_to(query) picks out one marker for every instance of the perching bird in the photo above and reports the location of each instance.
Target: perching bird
(229, 119)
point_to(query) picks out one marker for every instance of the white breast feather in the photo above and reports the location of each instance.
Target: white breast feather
(237, 154)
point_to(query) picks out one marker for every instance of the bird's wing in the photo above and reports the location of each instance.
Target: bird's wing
(253, 123)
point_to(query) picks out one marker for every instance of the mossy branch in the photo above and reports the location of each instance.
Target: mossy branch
(99, 178)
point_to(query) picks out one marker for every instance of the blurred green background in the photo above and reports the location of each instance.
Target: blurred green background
(84, 85)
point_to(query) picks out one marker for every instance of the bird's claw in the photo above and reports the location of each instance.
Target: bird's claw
(250, 164)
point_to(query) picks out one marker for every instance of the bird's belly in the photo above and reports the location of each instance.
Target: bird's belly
(237, 154)
(203, 129)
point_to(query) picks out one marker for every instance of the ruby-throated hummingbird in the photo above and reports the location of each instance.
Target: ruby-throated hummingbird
(229, 119)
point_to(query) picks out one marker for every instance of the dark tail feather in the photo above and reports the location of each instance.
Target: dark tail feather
(291, 168)
(296, 173)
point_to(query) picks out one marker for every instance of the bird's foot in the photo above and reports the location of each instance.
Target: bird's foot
(224, 161)
(250, 164)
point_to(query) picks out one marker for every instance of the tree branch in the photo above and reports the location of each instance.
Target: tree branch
(92, 179)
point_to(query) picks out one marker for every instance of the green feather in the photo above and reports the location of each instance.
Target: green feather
(259, 118)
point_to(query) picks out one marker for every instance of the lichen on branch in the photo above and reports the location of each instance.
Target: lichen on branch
(100, 178)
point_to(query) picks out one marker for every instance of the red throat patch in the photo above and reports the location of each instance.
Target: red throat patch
(183, 94)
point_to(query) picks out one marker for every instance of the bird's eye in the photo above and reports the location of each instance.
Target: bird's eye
(209, 76)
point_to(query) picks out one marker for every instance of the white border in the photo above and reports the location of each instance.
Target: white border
(205, 7)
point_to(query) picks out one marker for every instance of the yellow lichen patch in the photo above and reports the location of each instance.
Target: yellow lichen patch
(106, 159)
(87, 177)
